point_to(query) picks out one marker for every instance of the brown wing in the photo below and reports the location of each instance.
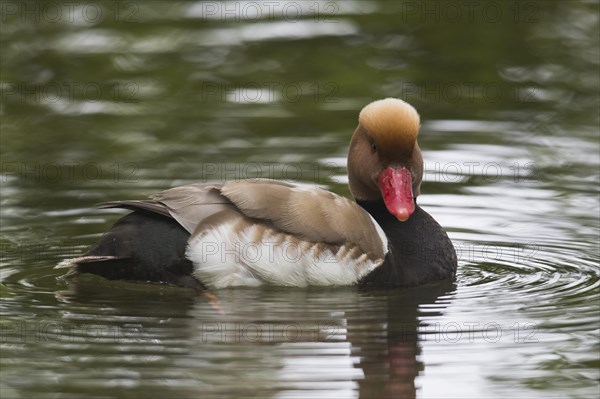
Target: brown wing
(189, 205)
(313, 214)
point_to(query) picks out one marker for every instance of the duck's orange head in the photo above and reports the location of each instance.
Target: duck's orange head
(384, 160)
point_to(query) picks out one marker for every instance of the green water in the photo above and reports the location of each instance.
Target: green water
(117, 100)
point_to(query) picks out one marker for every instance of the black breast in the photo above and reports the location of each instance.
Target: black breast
(419, 249)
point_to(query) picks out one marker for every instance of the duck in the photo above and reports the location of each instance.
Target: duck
(263, 232)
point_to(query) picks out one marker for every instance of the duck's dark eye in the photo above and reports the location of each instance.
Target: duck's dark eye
(373, 147)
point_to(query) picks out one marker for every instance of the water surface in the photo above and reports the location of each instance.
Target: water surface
(149, 95)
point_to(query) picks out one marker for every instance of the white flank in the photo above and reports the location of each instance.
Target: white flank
(382, 236)
(224, 258)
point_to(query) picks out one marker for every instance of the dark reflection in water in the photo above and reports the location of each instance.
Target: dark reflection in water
(156, 94)
(367, 341)
(391, 367)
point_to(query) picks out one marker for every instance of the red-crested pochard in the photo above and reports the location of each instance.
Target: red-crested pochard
(257, 232)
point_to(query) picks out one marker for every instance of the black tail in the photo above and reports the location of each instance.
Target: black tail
(141, 246)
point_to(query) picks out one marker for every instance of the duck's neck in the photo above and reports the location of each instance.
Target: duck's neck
(382, 216)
